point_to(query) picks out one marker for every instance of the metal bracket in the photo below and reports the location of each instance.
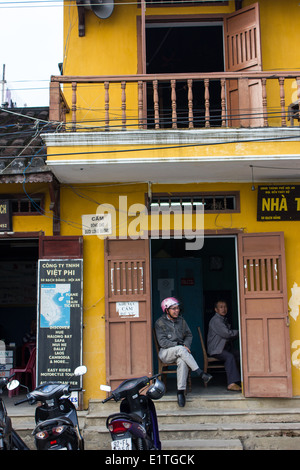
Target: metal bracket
(81, 17)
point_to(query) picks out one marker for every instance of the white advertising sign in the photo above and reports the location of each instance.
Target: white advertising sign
(96, 224)
(129, 309)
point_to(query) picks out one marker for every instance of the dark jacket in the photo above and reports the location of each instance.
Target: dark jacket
(172, 333)
(219, 333)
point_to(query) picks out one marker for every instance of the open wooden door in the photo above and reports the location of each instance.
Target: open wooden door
(242, 54)
(128, 310)
(266, 356)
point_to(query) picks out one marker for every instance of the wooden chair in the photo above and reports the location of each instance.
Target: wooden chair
(163, 367)
(208, 361)
(29, 369)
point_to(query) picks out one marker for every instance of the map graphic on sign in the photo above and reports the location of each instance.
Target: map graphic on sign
(55, 305)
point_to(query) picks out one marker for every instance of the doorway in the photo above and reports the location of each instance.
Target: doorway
(258, 304)
(210, 274)
(18, 298)
(185, 47)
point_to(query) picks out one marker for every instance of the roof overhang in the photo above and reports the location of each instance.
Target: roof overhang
(42, 177)
(159, 167)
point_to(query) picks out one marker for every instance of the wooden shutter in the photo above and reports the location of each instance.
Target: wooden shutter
(60, 247)
(243, 53)
(128, 337)
(264, 316)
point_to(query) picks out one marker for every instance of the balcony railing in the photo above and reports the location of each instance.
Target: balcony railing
(175, 101)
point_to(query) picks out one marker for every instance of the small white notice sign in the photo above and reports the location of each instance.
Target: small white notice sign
(128, 309)
(96, 224)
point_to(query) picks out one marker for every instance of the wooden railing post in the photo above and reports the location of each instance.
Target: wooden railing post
(190, 103)
(223, 102)
(173, 100)
(140, 103)
(123, 105)
(106, 105)
(206, 98)
(156, 105)
(298, 96)
(282, 101)
(264, 101)
(74, 88)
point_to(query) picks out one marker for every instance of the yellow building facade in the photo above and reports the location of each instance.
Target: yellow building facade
(142, 119)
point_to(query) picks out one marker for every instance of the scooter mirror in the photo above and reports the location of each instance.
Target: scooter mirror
(80, 370)
(105, 388)
(13, 384)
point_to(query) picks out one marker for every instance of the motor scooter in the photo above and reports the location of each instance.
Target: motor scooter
(9, 438)
(135, 427)
(57, 426)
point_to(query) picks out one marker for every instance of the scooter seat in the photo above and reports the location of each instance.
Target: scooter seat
(129, 417)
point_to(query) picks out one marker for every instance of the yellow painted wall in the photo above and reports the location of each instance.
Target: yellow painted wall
(238, 149)
(109, 47)
(279, 24)
(31, 223)
(83, 199)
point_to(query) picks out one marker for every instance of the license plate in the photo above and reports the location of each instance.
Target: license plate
(122, 444)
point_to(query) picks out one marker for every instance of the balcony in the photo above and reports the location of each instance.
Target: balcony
(175, 101)
(175, 128)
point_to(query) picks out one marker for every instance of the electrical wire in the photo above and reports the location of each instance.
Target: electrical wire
(170, 147)
(164, 147)
(49, 3)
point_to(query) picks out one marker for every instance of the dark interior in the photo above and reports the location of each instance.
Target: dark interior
(185, 48)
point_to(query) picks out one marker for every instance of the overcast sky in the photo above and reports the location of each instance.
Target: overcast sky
(31, 46)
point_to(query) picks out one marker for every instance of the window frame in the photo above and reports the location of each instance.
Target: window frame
(20, 198)
(203, 195)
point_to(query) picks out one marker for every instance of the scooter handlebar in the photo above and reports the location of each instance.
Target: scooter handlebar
(154, 376)
(75, 389)
(116, 396)
(21, 401)
(107, 399)
(5, 380)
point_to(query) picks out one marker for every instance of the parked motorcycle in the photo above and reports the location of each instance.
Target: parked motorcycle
(9, 438)
(135, 427)
(56, 419)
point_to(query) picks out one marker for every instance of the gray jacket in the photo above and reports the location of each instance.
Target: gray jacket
(171, 333)
(219, 333)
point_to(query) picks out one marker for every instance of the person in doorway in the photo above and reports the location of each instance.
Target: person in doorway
(175, 338)
(220, 339)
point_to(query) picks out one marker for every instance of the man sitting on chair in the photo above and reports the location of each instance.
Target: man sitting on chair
(175, 338)
(219, 344)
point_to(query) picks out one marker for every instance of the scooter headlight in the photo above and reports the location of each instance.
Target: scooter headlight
(42, 435)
